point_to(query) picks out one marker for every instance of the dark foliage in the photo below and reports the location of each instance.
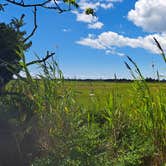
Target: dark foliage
(11, 46)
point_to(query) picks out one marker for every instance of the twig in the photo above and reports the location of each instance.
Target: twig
(41, 60)
(59, 8)
(2, 5)
(43, 5)
(28, 5)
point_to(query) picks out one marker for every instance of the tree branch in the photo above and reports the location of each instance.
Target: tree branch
(2, 5)
(35, 25)
(43, 5)
(22, 4)
(41, 60)
(55, 6)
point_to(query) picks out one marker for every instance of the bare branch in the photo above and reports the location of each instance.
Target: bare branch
(43, 5)
(35, 25)
(59, 8)
(28, 5)
(49, 55)
(2, 6)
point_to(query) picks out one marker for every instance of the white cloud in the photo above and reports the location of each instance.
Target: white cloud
(96, 4)
(91, 43)
(106, 6)
(92, 21)
(82, 17)
(96, 25)
(83, 4)
(150, 15)
(108, 40)
(114, 52)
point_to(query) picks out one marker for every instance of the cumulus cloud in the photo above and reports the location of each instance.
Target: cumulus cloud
(150, 15)
(108, 40)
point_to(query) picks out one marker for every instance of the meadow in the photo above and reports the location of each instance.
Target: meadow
(86, 91)
(71, 123)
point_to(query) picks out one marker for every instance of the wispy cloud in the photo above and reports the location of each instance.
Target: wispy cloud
(96, 25)
(113, 51)
(96, 4)
(66, 30)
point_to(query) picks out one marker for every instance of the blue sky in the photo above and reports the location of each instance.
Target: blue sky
(96, 47)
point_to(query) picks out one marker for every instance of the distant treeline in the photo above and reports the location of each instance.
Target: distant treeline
(114, 80)
(108, 80)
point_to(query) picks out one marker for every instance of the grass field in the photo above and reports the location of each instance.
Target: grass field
(85, 91)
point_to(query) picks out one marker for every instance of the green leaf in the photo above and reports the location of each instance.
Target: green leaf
(72, 2)
(89, 11)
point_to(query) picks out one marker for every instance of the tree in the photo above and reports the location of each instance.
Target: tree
(12, 42)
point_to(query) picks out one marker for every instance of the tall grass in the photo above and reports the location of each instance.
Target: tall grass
(65, 133)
